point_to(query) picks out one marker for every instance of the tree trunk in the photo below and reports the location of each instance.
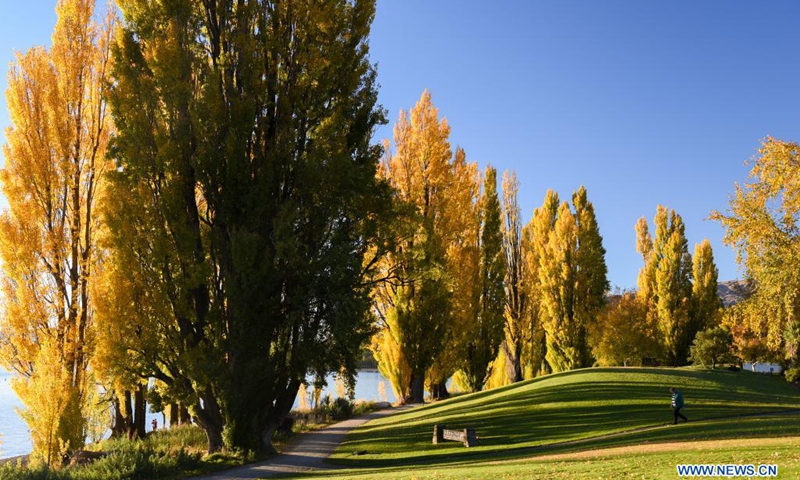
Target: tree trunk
(174, 419)
(513, 361)
(140, 412)
(439, 391)
(118, 428)
(283, 405)
(183, 415)
(127, 413)
(416, 392)
(213, 432)
(209, 418)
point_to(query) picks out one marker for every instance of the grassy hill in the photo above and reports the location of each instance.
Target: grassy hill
(573, 412)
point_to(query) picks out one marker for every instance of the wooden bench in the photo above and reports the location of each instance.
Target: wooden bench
(466, 436)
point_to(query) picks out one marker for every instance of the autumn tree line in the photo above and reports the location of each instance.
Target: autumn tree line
(200, 220)
(472, 293)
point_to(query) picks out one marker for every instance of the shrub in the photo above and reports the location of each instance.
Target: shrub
(165, 453)
(138, 460)
(339, 409)
(792, 374)
(14, 471)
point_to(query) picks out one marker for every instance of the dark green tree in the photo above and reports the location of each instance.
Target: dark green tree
(246, 164)
(711, 347)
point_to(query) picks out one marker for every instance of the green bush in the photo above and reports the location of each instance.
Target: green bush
(137, 462)
(189, 437)
(334, 410)
(13, 471)
(792, 374)
(166, 453)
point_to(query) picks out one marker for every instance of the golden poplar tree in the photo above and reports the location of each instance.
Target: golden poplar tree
(55, 162)
(517, 327)
(665, 281)
(482, 328)
(572, 278)
(416, 308)
(535, 235)
(706, 304)
(622, 335)
(461, 232)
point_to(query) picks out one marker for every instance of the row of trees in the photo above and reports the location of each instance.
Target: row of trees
(677, 299)
(194, 201)
(199, 219)
(474, 294)
(467, 280)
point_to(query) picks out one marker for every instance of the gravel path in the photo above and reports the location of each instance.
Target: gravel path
(305, 453)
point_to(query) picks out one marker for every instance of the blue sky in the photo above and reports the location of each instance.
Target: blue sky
(644, 103)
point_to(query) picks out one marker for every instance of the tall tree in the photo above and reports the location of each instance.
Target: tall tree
(572, 278)
(591, 277)
(557, 255)
(706, 304)
(247, 170)
(460, 232)
(535, 237)
(417, 308)
(665, 281)
(55, 167)
(517, 327)
(761, 224)
(485, 333)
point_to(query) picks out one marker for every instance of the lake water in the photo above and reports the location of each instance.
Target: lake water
(15, 439)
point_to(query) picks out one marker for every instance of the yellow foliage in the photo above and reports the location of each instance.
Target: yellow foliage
(437, 253)
(499, 376)
(391, 362)
(45, 394)
(623, 334)
(55, 164)
(761, 223)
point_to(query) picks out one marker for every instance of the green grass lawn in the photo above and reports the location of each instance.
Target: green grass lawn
(645, 461)
(529, 418)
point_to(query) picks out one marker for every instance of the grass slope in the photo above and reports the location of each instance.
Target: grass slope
(513, 421)
(635, 461)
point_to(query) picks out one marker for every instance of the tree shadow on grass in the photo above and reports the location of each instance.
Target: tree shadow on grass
(535, 414)
(735, 427)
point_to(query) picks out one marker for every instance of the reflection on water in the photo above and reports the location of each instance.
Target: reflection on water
(368, 387)
(15, 439)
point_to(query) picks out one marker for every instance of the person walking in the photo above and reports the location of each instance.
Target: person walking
(677, 404)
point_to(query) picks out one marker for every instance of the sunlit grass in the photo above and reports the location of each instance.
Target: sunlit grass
(516, 420)
(647, 461)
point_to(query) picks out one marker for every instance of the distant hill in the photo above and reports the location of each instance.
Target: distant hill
(734, 291)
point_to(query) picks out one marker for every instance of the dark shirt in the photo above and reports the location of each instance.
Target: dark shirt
(677, 399)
